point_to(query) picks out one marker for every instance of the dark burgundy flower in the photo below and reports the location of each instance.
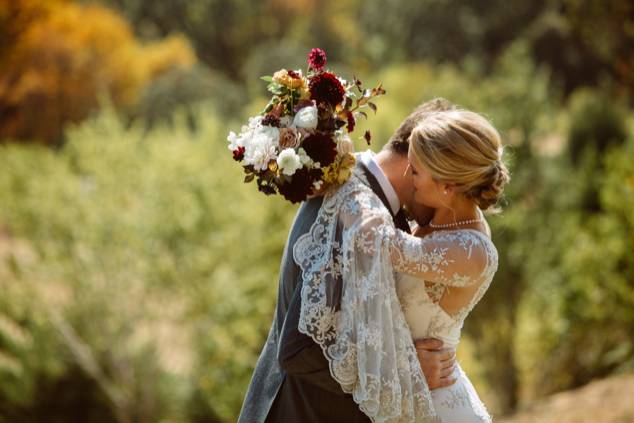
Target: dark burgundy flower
(351, 121)
(303, 103)
(266, 186)
(271, 120)
(317, 59)
(294, 74)
(300, 185)
(326, 88)
(321, 148)
(238, 154)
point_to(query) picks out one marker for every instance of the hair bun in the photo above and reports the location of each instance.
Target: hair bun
(489, 193)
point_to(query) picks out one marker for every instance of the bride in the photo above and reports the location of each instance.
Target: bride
(456, 169)
(394, 287)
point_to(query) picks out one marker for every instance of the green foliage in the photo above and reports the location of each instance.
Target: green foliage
(581, 280)
(185, 90)
(596, 121)
(134, 269)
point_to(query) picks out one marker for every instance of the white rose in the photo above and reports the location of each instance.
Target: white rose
(243, 139)
(255, 121)
(306, 118)
(261, 148)
(289, 161)
(235, 141)
(344, 144)
(305, 159)
(270, 132)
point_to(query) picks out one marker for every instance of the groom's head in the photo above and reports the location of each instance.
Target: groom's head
(393, 157)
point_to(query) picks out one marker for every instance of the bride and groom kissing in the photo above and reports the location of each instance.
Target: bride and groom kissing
(370, 308)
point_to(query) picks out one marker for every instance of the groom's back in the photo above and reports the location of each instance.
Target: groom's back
(267, 376)
(299, 392)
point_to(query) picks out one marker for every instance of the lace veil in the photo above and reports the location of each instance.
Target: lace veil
(350, 308)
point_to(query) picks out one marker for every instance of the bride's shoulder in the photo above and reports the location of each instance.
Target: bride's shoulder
(465, 237)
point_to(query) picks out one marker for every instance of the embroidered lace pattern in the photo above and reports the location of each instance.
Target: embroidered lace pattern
(350, 307)
(349, 260)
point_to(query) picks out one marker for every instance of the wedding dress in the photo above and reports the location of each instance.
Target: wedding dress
(350, 260)
(422, 301)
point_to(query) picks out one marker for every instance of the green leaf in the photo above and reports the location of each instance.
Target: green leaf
(364, 114)
(267, 78)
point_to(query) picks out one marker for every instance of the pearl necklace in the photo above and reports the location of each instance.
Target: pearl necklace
(448, 225)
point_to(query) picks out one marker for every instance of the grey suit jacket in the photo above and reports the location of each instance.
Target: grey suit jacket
(292, 380)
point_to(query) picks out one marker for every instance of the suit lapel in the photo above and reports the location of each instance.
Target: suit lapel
(399, 219)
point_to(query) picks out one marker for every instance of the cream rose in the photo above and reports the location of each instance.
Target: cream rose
(306, 118)
(289, 161)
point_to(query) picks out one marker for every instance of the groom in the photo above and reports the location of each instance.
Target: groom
(292, 381)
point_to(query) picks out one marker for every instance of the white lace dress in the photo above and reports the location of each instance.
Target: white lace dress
(446, 255)
(350, 262)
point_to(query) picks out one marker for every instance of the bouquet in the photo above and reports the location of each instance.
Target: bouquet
(299, 146)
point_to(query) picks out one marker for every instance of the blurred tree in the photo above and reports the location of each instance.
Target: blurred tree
(138, 292)
(581, 282)
(597, 122)
(63, 56)
(443, 30)
(587, 43)
(182, 90)
(232, 37)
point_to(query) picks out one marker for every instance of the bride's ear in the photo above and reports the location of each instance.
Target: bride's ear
(448, 189)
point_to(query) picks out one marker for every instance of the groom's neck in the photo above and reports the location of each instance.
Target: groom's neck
(394, 166)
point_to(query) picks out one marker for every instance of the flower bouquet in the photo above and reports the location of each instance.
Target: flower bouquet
(299, 145)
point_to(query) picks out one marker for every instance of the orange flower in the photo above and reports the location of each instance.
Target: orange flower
(292, 80)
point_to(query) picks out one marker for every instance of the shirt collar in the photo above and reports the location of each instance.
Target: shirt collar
(367, 158)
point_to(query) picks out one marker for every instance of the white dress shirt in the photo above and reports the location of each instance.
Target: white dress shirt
(367, 158)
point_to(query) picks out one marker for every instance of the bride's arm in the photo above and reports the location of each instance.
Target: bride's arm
(454, 258)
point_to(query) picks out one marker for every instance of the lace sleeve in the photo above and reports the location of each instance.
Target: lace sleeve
(453, 258)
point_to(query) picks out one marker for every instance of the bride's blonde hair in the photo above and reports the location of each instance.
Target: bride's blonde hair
(463, 148)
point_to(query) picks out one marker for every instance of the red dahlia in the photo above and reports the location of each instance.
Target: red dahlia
(321, 148)
(351, 121)
(326, 88)
(238, 154)
(317, 59)
(271, 120)
(300, 186)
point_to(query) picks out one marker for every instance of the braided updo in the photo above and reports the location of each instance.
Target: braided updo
(463, 148)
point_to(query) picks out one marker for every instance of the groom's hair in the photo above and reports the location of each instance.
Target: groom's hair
(399, 142)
